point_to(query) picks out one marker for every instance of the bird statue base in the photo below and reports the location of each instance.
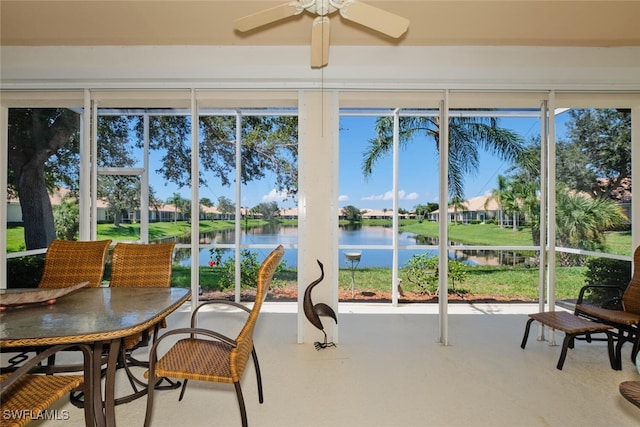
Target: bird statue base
(320, 345)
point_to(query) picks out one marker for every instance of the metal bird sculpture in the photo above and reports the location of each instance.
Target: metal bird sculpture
(313, 312)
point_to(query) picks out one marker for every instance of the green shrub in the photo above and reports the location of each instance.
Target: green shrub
(249, 267)
(24, 272)
(606, 271)
(422, 271)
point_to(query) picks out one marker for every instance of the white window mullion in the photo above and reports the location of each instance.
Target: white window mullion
(395, 226)
(94, 170)
(238, 221)
(86, 155)
(4, 165)
(551, 207)
(144, 185)
(544, 132)
(443, 232)
(195, 202)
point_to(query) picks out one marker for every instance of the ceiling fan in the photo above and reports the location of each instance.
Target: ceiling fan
(372, 17)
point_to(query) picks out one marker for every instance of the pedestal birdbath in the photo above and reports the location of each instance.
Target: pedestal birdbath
(353, 259)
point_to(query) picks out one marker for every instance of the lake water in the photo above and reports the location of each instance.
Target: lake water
(348, 236)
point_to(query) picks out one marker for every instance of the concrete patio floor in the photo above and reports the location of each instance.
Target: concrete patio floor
(390, 370)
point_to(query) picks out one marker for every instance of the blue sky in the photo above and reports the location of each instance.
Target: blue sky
(418, 180)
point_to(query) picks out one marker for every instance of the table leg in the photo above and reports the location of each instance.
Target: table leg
(110, 380)
(95, 388)
(526, 333)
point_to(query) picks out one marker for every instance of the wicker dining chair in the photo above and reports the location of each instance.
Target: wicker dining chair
(69, 262)
(140, 265)
(207, 355)
(24, 395)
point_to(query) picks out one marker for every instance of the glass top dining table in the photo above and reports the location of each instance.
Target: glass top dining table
(95, 316)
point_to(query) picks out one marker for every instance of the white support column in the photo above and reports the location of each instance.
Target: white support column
(317, 207)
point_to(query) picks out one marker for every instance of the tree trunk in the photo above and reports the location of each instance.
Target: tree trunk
(37, 213)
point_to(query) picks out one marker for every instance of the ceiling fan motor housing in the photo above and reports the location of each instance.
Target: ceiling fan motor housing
(321, 7)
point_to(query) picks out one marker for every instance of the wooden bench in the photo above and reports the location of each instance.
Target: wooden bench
(572, 326)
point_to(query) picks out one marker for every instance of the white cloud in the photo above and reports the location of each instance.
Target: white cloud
(275, 196)
(343, 198)
(402, 195)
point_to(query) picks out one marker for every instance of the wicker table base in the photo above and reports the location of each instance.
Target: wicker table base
(572, 326)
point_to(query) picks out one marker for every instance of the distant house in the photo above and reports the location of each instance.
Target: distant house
(479, 208)
(382, 214)
(289, 213)
(162, 212)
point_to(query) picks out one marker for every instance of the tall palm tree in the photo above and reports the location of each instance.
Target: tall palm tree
(499, 194)
(466, 136)
(175, 200)
(456, 203)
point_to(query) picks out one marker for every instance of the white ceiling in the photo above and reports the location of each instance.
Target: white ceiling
(210, 22)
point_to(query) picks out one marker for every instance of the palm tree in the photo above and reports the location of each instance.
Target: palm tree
(456, 203)
(176, 201)
(499, 195)
(582, 221)
(466, 136)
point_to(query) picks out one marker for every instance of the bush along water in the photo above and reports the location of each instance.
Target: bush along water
(422, 271)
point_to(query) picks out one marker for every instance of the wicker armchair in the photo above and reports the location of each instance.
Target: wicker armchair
(140, 266)
(69, 262)
(620, 309)
(207, 355)
(24, 395)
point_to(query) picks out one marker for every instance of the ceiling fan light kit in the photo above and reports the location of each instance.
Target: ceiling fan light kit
(361, 13)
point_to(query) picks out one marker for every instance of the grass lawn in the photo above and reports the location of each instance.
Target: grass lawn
(506, 282)
(519, 282)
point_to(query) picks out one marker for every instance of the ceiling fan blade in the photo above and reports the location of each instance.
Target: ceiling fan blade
(320, 42)
(375, 18)
(268, 16)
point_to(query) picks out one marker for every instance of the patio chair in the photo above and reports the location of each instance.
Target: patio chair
(208, 355)
(24, 395)
(69, 262)
(616, 307)
(139, 265)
